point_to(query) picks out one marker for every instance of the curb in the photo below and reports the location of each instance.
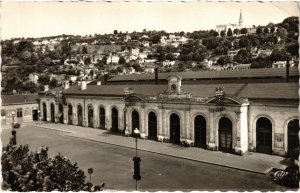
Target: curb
(175, 156)
(61, 130)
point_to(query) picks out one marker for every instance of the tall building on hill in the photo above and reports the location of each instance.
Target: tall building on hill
(232, 26)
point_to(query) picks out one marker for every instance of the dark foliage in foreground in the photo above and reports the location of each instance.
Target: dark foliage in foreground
(26, 171)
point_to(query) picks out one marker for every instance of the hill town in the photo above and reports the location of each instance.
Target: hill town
(30, 63)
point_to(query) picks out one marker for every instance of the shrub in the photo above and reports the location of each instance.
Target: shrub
(25, 171)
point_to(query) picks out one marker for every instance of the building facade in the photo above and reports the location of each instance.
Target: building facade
(19, 109)
(234, 118)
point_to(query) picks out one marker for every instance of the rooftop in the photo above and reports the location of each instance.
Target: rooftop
(225, 74)
(18, 99)
(242, 90)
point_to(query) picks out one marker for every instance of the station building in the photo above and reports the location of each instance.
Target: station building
(243, 114)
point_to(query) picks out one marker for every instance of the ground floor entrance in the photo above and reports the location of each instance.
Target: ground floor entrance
(264, 136)
(174, 129)
(225, 135)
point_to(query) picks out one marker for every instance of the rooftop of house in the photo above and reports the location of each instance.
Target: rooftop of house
(230, 74)
(240, 90)
(18, 99)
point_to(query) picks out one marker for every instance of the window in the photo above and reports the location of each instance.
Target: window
(19, 113)
(3, 113)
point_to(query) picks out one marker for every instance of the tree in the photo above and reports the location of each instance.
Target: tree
(244, 43)
(278, 55)
(272, 30)
(222, 33)
(244, 31)
(26, 171)
(84, 50)
(266, 30)
(115, 32)
(229, 32)
(44, 79)
(236, 31)
(281, 32)
(259, 30)
(53, 83)
(223, 60)
(122, 60)
(293, 49)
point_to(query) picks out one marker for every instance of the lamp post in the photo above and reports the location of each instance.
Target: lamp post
(13, 132)
(136, 160)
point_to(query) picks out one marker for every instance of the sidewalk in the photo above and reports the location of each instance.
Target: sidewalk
(252, 162)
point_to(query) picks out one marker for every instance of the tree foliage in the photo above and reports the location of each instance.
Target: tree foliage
(25, 171)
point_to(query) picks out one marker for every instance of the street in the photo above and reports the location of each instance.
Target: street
(113, 165)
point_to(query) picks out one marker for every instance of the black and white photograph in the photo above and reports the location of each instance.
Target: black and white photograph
(149, 96)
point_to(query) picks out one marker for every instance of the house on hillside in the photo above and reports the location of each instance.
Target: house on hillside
(34, 77)
(114, 59)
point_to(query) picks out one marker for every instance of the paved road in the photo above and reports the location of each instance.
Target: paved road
(114, 166)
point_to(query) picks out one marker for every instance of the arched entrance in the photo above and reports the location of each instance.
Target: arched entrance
(200, 131)
(115, 119)
(70, 115)
(61, 113)
(264, 135)
(174, 129)
(79, 114)
(90, 116)
(293, 138)
(102, 118)
(135, 120)
(44, 112)
(52, 112)
(152, 126)
(225, 134)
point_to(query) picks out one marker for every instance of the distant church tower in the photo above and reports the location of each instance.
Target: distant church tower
(241, 19)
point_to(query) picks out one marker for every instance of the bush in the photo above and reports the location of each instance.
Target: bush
(25, 171)
(17, 125)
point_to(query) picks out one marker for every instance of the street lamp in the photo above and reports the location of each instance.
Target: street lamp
(13, 132)
(136, 160)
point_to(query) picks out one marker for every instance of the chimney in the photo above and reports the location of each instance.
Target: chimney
(46, 88)
(83, 85)
(287, 70)
(98, 83)
(66, 84)
(156, 75)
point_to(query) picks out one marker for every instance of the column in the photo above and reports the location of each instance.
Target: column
(65, 114)
(160, 135)
(96, 116)
(212, 141)
(142, 124)
(75, 116)
(48, 111)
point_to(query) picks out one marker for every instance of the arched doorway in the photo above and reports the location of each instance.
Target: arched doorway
(115, 119)
(102, 118)
(90, 116)
(200, 131)
(70, 115)
(44, 112)
(174, 129)
(135, 120)
(79, 114)
(61, 113)
(293, 138)
(152, 126)
(264, 135)
(225, 134)
(52, 112)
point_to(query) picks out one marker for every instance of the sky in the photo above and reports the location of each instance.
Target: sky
(39, 19)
